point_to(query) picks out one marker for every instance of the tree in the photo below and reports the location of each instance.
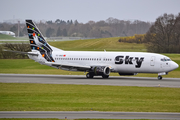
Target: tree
(64, 32)
(76, 22)
(68, 22)
(13, 29)
(57, 21)
(24, 31)
(49, 32)
(59, 32)
(114, 27)
(49, 22)
(71, 22)
(164, 35)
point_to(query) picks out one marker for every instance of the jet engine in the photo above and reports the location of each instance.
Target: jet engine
(101, 70)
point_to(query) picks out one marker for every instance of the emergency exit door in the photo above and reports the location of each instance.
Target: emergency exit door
(152, 62)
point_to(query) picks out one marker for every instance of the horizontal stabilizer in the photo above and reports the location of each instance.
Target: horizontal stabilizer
(26, 53)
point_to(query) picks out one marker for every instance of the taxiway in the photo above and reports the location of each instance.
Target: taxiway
(82, 80)
(89, 114)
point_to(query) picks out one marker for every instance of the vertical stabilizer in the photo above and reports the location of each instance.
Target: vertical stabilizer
(37, 41)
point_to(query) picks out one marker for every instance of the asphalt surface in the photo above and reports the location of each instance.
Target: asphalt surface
(90, 114)
(80, 79)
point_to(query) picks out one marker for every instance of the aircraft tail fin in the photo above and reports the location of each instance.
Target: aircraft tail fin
(37, 41)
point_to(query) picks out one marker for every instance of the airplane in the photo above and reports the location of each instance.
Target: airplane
(8, 33)
(95, 63)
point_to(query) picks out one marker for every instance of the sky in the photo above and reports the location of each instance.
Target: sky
(87, 10)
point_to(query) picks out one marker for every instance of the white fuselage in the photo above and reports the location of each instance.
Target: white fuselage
(127, 62)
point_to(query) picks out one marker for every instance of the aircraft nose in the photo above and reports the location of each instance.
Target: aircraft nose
(174, 65)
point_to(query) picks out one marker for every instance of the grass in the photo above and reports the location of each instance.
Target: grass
(30, 119)
(109, 44)
(56, 97)
(56, 119)
(13, 39)
(8, 37)
(3, 36)
(14, 42)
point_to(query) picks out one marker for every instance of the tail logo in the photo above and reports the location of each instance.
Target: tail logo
(38, 42)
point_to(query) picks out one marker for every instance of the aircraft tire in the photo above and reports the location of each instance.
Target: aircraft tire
(89, 75)
(159, 77)
(105, 76)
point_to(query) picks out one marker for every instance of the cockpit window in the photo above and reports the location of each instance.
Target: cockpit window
(165, 59)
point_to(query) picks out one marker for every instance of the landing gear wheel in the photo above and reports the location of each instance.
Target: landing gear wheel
(89, 75)
(159, 77)
(105, 76)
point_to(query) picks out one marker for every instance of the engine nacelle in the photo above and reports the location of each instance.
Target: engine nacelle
(101, 70)
(124, 74)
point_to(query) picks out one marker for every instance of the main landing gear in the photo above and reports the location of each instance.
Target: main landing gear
(105, 76)
(91, 75)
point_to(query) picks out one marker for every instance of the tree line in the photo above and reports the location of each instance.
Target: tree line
(102, 29)
(162, 37)
(164, 34)
(137, 38)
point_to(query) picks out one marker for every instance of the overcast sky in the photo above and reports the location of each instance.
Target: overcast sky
(86, 10)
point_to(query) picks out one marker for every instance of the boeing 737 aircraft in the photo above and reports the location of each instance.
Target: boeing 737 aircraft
(96, 63)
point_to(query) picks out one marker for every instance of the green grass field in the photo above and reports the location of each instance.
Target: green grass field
(60, 119)
(56, 97)
(8, 37)
(109, 44)
(13, 39)
(32, 119)
(2, 36)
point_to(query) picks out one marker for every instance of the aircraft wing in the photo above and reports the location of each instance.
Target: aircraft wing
(70, 66)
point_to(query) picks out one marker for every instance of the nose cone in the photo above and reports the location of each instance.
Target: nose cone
(174, 65)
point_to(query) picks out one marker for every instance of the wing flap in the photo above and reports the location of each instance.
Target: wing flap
(70, 66)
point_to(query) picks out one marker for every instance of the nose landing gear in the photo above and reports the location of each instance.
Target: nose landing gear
(159, 77)
(91, 75)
